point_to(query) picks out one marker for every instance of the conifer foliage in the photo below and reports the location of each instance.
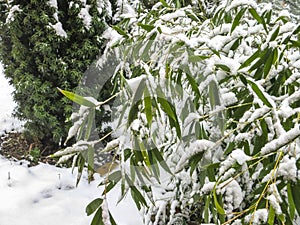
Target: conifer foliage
(44, 45)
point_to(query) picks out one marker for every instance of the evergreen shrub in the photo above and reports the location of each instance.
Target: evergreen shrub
(45, 45)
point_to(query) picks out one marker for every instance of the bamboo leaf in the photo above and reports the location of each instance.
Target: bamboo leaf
(237, 19)
(93, 206)
(223, 67)
(90, 123)
(268, 64)
(161, 160)
(77, 98)
(169, 109)
(206, 209)
(250, 59)
(255, 15)
(259, 93)
(164, 3)
(148, 106)
(296, 197)
(218, 206)
(292, 207)
(146, 27)
(275, 34)
(120, 31)
(271, 216)
(263, 58)
(98, 219)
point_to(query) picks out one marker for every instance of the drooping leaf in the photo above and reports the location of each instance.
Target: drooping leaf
(275, 34)
(250, 59)
(291, 205)
(98, 219)
(268, 64)
(77, 98)
(164, 3)
(148, 106)
(237, 19)
(259, 93)
(217, 204)
(120, 31)
(296, 196)
(146, 27)
(161, 161)
(271, 216)
(93, 206)
(169, 109)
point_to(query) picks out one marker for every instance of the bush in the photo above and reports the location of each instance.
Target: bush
(45, 45)
(206, 119)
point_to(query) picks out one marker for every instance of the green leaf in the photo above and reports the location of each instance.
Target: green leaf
(113, 222)
(255, 15)
(218, 206)
(263, 58)
(197, 58)
(146, 27)
(275, 34)
(194, 85)
(237, 19)
(77, 98)
(271, 216)
(136, 101)
(296, 30)
(259, 93)
(135, 193)
(98, 220)
(148, 106)
(164, 3)
(161, 160)
(113, 179)
(194, 160)
(168, 108)
(120, 31)
(93, 206)
(90, 123)
(223, 67)
(250, 59)
(206, 209)
(268, 64)
(292, 207)
(296, 196)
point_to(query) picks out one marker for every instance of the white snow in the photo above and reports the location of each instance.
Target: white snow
(10, 16)
(45, 194)
(7, 122)
(260, 216)
(59, 29)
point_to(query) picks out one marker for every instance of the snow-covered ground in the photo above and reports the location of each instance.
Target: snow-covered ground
(45, 194)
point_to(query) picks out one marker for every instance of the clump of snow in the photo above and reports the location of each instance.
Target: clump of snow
(85, 16)
(11, 13)
(208, 187)
(196, 147)
(229, 98)
(232, 195)
(260, 216)
(237, 156)
(59, 29)
(283, 140)
(288, 168)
